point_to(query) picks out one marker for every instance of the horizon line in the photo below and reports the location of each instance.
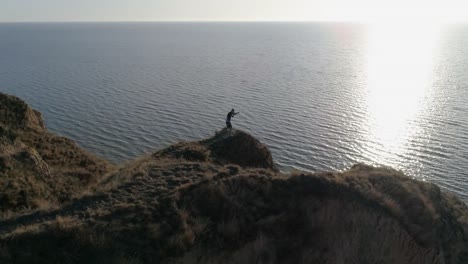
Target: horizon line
(213, 21)
(180, 21)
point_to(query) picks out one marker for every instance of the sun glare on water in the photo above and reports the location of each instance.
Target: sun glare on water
(400, 59)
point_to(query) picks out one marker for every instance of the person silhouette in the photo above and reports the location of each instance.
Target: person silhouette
(228, 119)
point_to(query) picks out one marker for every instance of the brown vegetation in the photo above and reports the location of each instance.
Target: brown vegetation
(38, 167)
(220, 200)
(186, 212)
(16, 114)
(226, 147)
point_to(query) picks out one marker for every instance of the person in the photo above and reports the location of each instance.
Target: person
(228, 119)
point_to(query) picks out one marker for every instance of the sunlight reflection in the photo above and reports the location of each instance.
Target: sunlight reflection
(399, 66)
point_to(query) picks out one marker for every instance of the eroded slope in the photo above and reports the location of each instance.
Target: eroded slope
(38, 168)
(166, 207)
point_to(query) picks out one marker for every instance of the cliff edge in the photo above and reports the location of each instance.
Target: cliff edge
(222, 200)
(37, 168)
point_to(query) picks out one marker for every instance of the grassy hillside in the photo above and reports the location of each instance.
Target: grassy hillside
(187, 212)
(38, 168)
(218, 200)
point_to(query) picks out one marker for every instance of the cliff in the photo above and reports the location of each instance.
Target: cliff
(38, 168)
(222, 200)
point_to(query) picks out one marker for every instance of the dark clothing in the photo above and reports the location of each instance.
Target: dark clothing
(228, 119)
(229, 116)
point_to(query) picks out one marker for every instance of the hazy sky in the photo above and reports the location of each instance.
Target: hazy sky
(229, 10)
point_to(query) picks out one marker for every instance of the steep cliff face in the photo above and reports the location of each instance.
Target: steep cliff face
(38, 168)
(221, 200)
(16, 114)
(24, 175)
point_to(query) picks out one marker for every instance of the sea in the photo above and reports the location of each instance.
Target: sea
(322, 96)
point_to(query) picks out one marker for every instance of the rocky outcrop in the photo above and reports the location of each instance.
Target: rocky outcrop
(222, 200)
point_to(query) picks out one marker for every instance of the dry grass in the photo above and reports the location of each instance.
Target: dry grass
(219, 200)
(255, 216)
(39, 169)
(16, 114)
(238, 147)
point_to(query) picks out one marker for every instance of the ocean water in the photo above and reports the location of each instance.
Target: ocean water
(321, 96)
